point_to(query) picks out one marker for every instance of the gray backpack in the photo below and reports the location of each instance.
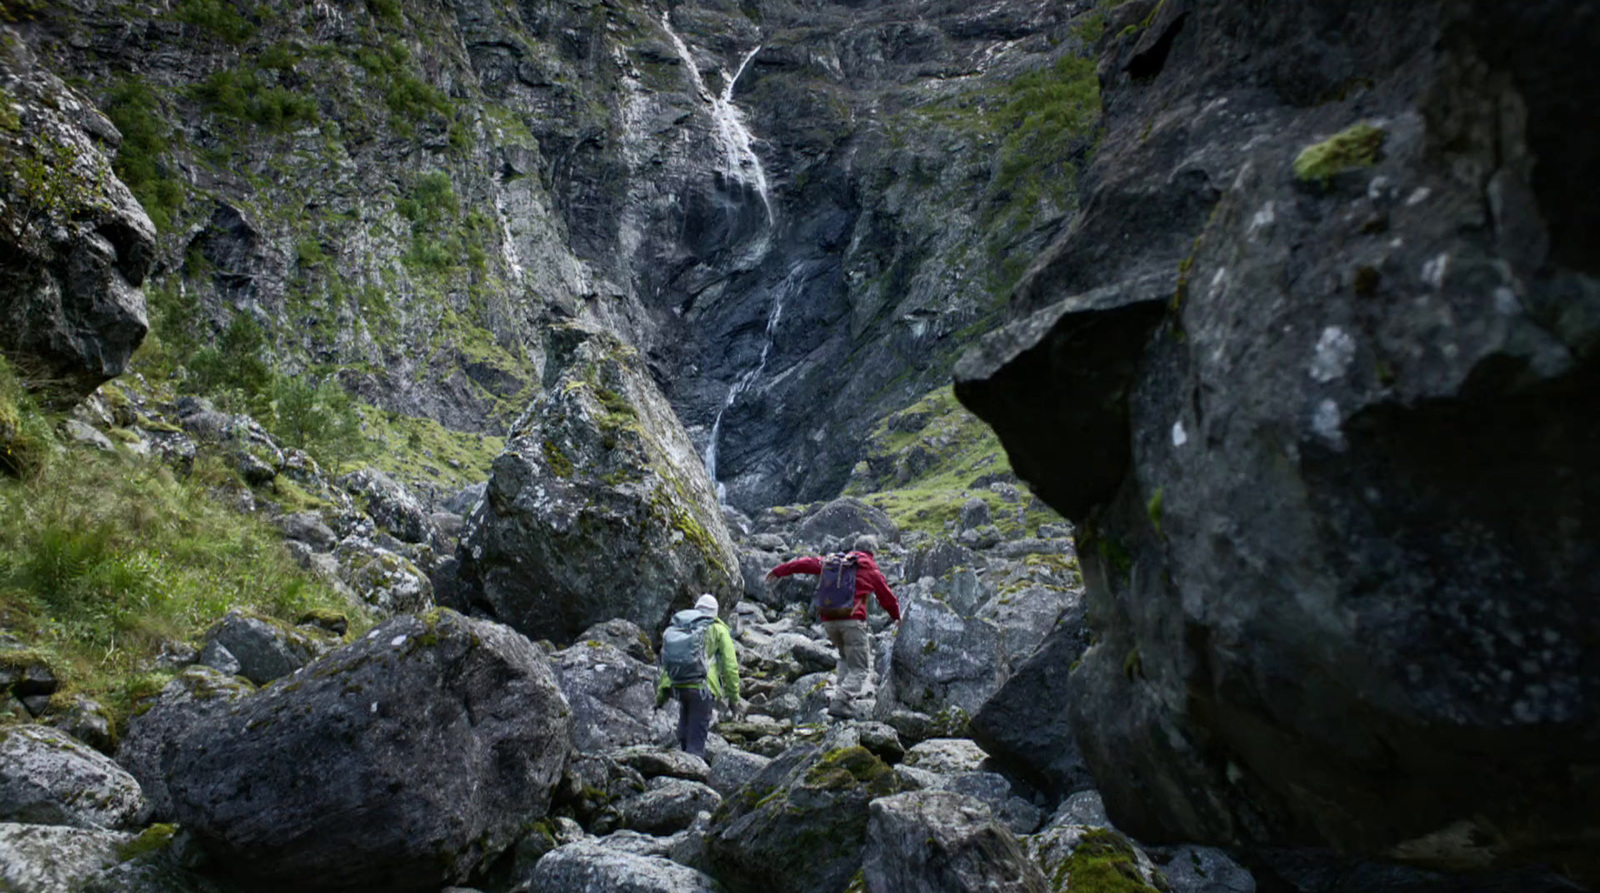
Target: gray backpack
(683, 647)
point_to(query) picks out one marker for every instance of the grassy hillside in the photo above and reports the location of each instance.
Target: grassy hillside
(106, 557)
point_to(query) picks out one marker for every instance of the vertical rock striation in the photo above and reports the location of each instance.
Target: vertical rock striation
(1314, 371)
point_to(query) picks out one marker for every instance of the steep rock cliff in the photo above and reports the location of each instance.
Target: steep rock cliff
(796, 213)
(1314, 371)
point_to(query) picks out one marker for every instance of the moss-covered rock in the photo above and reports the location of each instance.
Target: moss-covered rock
(799, 826)
(74, 244)
(599, 507)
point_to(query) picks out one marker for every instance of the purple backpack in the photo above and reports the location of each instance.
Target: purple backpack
(836, 587)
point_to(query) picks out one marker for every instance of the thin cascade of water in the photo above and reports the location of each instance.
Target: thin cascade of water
(790, 287)
(740, 162)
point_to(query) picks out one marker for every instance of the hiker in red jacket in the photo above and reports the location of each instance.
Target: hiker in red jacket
(849, 635)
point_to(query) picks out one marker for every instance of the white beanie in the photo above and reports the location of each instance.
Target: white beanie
(707, 603)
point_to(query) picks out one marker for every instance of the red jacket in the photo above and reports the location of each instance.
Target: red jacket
(868, 580)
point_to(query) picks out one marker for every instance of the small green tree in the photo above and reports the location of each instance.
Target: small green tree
(318, 418)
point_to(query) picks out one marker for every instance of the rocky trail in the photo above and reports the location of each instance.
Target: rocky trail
(437, 749)
(378, 377)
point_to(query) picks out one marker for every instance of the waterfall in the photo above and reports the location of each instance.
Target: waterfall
(740, 163)
(790, 287)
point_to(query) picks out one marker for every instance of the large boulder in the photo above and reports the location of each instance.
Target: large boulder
(962, 637)
(390, 504)
(1314, 374)
(58, 859)
(196, 692)
(49, 778)
(418, 753)
(800, 825)
(940, 842)
(74, 245)
(667, 805)
(843, 520)
(612, 696)
(589, 866)
(259, 649)
(599, 507)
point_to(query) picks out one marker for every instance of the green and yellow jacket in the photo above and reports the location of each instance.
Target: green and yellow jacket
(722, 667)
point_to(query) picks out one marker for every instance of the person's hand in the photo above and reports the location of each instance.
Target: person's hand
(740, 708)
(771, 577)
(661, 700)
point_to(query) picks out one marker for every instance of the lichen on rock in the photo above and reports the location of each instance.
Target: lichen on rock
(600, 507)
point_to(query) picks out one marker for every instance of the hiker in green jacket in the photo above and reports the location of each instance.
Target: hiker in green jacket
(699, 667)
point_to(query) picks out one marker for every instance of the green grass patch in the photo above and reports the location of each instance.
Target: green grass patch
(105, 558)
(243, 95)
(142, 161)
(27, 441)
(220, 17)
(922, 462)
(418, 449)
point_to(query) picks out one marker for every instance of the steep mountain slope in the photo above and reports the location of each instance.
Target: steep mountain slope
(798, 213)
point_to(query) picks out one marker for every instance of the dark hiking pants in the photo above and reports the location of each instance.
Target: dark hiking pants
(694, 719)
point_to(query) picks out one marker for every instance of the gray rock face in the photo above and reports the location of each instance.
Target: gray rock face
(390, 504)
(946, 755)
(74, 244)
(196, 692)
(309, 528)
(384, 579)
(1329, 422)
(798, 826)
(262, 651)
(843, 520)
(49, 778)
(656, 762)
(588, 866)
(668, 805)
(423, 750)
(55, 859)
(599, 507)
(612, 697)
(731, 769)
(86, 720)
(1026, 723)
(937, 842)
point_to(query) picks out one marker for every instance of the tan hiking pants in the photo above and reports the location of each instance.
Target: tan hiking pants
(855, 656)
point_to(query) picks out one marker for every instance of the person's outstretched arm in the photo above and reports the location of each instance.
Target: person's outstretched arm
(808, 564)
(885, 595)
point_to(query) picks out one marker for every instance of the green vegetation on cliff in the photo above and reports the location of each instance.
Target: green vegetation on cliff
(924, 462)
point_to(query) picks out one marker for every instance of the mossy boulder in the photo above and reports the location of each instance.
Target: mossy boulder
(401, 762)
(800, 825)
(196, 692)
(600, 507)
